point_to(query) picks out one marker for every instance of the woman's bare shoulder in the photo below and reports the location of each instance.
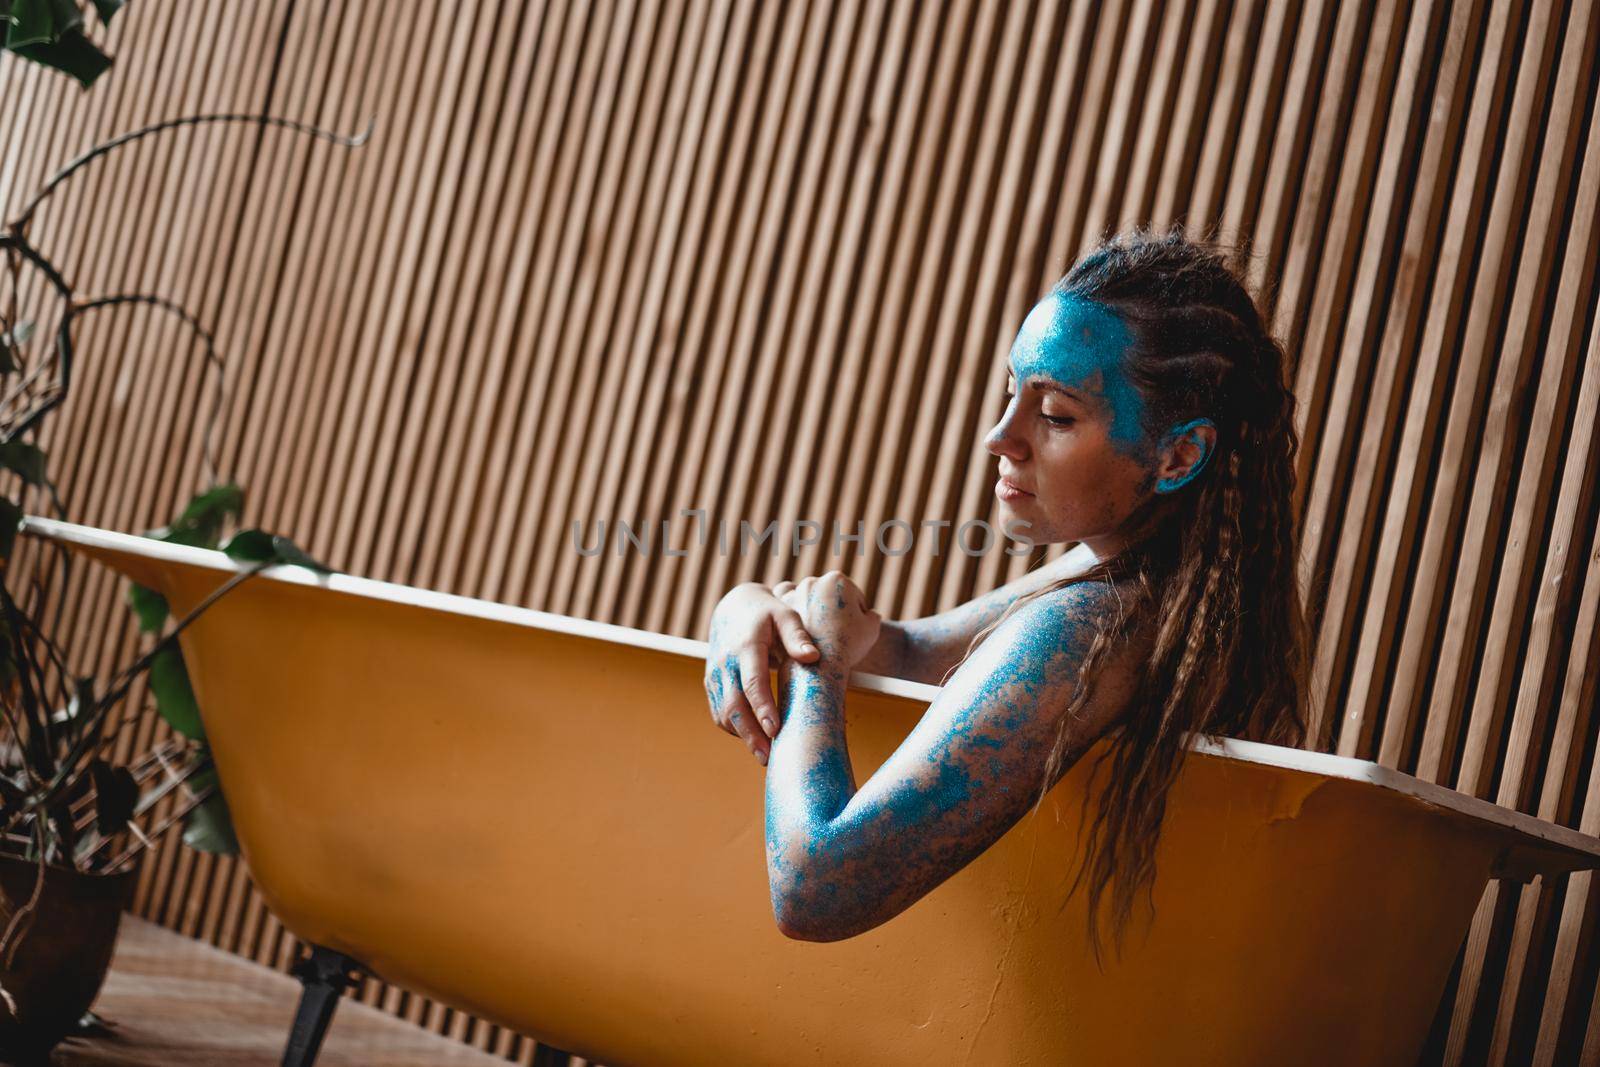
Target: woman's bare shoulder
(1070, 619)
(1071, 614)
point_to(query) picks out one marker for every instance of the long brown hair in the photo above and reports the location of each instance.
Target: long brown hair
(1210, 579)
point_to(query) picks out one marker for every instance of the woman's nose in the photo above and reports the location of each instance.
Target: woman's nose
(1002, 442)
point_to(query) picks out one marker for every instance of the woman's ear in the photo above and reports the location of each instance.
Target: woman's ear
(1184, 452)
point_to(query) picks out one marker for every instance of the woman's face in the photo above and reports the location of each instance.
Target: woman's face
(1074, 460)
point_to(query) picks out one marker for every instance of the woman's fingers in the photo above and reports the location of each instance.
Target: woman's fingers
(792, 630)
(723, 691)
(782, 587)
(745, 729)
(758, 688)
(731, 709)
(745, 709)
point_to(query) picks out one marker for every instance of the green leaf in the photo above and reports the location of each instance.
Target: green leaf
(32, 22)
(209, 827)
(23, 458)
(10, 519)
(67, 14)
(258, 546)
(106, 8)
(289, 552)
(249, 546)
(178, 535)
(149, 605)
(200, 524)
(175, 699)
(73, 54)
(35, 22)
(211, 508)
(116, 793)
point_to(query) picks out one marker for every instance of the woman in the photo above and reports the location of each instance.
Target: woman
(1147, 420)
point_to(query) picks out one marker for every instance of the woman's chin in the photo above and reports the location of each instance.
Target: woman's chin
(1023, 518)
(1017, 515)
(1014, 507)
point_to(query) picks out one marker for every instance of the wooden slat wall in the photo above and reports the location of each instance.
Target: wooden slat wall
(618, 259)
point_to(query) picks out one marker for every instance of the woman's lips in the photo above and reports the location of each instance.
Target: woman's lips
(1006, 489)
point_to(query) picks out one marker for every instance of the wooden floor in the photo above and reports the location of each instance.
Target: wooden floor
(174, 1000)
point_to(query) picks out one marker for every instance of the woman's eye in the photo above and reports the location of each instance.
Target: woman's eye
(1060, 420)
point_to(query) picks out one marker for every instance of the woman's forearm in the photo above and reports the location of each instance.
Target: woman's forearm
(890, 655)
(809, 782)
(809, 775)
(926, 649)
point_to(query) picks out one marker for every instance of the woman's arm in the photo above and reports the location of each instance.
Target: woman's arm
(841, 860)
(925, 649)
(751, 626)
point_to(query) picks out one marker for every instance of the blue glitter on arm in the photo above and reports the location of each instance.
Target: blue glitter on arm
(842, 860)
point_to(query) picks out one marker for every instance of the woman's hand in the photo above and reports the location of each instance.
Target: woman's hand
(834, 611)
(751, 630)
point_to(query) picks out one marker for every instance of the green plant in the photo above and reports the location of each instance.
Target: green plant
(62, 800)
(51, 32)
(54, 776)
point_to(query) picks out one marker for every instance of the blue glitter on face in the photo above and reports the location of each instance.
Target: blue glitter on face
(1078, 344)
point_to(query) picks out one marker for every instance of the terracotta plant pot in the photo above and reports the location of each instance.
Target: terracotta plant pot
(62, 960)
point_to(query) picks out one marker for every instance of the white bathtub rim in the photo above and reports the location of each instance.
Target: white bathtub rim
(1318, 763)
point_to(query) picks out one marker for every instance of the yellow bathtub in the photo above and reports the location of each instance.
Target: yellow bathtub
(531, 818)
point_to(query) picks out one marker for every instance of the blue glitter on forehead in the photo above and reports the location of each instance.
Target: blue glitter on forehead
(1078, 343)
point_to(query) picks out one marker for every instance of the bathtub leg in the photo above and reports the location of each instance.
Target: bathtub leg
(323, 977)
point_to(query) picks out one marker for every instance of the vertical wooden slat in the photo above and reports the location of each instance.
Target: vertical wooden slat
(1008, 276)
(963, 364)
(810, 103)
(1352, 334)
(676, 299)
(823, 397)
(781, 71)
(582, 45)
(918, 398)
(1030, 272)
(1444, 312)
(994, 239)
(1483, 316)
(1517, 590)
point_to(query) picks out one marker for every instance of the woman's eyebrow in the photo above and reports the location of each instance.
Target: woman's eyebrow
(1038, 382)
(1067, 391)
